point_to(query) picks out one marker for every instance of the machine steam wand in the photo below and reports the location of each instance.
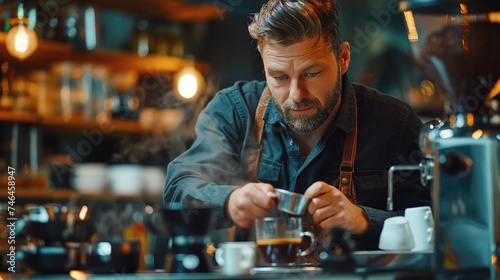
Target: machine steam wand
(427, 134)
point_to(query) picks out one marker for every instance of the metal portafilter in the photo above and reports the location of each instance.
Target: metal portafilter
(291, 202)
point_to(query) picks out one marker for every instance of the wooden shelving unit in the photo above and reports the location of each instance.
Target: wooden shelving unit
(112, 125)
(67, 194)
(172, 10)
(22, 117)
(49, 52)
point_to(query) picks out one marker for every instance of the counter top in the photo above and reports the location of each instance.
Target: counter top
(369, 265)
(400, 275)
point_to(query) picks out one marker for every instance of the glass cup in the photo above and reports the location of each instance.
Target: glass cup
(279, 240)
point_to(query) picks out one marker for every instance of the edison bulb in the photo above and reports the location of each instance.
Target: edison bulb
(188, 86)
(189, 82)
(21, 42)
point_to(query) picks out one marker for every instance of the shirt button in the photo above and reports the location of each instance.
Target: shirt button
(345, 181)
(291, 142)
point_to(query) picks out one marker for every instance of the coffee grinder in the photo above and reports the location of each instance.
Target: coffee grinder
(458, 45)
(187, 226)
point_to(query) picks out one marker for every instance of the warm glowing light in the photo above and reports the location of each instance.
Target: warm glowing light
(188, 86)
(470, 119)
(77, 275)
(21, 42)
(464, 9)
(446, 133)
(189, 82)
(452, 120)
(427, 88)
(148, 209)
(477, 134)
(495, 90)
(494, 17)
(410, 24)
(83, 212)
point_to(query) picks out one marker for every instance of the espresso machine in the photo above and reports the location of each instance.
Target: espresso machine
(457, 43)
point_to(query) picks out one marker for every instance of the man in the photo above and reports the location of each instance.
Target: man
(318, 134)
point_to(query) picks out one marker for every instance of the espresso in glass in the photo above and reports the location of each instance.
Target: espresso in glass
(279, 240)
(279, 251)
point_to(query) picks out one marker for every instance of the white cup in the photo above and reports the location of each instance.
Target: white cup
(396, 235)
(125, 179)
(422, 227)
(154, 179)
(236, 258)
(90, 177)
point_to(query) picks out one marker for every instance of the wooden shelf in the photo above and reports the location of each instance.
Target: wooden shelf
(65, 194)
(124, 126)
(172, 10)
(111, 126)
(14, 116)
(49, 52)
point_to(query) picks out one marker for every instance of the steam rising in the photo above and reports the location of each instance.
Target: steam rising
(160, 148)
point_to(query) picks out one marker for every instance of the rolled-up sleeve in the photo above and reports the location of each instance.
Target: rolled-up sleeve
(212, 167)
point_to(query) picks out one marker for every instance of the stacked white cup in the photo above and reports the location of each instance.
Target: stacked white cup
(396, 235)
(422, 227)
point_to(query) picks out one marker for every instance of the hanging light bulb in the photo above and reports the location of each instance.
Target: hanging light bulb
(189, 82)
(21, 41)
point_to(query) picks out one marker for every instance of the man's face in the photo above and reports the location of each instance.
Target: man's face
(304, 80)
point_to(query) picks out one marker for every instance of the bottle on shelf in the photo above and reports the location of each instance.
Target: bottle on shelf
(6, 98)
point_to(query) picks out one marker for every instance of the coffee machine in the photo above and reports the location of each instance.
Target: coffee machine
(187, 227)
(457, 43)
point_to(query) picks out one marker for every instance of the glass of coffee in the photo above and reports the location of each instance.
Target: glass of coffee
(279, 240)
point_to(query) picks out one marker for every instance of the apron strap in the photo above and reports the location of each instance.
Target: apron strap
(258, 130)
(346, 182)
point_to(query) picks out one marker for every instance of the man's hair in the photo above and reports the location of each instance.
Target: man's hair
(286, 22)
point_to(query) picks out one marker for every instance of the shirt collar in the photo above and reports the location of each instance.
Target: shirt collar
(344, 119)
(346, 116)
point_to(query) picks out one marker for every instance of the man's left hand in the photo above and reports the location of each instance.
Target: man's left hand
(329, 208)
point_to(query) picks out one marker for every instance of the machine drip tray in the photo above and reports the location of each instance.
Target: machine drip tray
(369, 261)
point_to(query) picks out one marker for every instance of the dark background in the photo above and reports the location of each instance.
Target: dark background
(380, 51)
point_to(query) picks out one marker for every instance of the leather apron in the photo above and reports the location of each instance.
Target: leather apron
(344, 183)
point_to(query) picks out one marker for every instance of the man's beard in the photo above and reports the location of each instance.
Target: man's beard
(305, 123)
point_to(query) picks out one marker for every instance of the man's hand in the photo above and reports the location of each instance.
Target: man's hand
(329, 207)
(250, 202)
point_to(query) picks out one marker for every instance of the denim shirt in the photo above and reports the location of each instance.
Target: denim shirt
(217, 161)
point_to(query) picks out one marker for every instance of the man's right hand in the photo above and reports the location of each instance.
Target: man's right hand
(250, 202)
